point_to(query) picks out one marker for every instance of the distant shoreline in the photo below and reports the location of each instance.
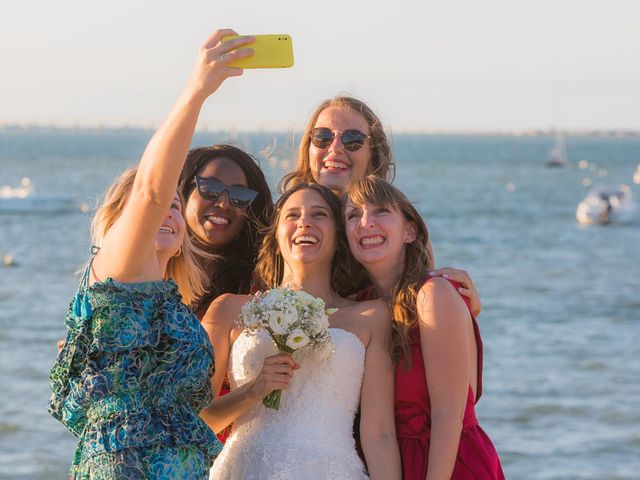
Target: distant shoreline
(548, 132)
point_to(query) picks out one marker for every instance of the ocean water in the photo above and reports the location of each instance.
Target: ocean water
(561, 302)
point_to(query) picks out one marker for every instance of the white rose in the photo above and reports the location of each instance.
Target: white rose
(281, 321)
(297, 339)
(273, 296)
(304, 298)
(290, 316)
(319, 304)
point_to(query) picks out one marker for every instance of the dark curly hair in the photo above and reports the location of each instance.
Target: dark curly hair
(230, 270)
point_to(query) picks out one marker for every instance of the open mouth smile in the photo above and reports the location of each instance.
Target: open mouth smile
(335, 165)
(306, 240)
(218, 220)
(372, 241)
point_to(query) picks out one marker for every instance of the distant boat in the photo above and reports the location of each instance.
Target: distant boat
(558, 154)
(605, 205)
(23, 199)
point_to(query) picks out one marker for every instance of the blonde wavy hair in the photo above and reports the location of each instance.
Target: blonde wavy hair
(381, 163)
(183, 268)
(417, 263)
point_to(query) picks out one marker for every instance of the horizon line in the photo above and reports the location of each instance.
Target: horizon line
(533, 131)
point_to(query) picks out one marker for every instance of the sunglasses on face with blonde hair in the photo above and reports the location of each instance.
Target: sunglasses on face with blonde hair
(352, 139)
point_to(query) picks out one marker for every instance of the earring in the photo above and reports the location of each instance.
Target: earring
(178, 253)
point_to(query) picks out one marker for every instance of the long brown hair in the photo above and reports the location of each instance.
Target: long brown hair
(417, 263)
(381, 163)
(270, 265)
(183, 268)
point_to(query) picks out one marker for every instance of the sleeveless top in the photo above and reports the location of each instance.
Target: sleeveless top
(477, 458)
(131, 379)
(310, 435)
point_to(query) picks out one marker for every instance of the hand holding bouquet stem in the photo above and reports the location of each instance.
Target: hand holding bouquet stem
(276, 374)
(293, 319)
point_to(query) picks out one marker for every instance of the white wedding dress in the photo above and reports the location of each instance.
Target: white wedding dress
(311, 436)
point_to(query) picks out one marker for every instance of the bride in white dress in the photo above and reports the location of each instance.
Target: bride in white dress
(311, 435)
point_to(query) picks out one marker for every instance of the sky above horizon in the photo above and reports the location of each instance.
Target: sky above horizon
(421, 65)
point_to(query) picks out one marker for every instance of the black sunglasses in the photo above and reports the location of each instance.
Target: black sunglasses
(352, 140)
(211, 189)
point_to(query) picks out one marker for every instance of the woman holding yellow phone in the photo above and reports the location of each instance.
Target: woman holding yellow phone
(134, 372)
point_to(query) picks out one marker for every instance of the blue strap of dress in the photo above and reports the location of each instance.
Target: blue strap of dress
(81, 306)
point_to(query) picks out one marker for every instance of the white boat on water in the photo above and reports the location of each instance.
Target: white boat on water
(604, 205)
(23, 199)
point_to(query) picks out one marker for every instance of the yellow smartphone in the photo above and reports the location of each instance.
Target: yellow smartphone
(269, 51)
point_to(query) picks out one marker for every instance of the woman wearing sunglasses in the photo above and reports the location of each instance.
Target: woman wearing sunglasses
(228, 201)
(344, 141)
(135, 370)
(435, 340)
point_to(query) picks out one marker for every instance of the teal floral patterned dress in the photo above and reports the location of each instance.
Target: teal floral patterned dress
(130, 380)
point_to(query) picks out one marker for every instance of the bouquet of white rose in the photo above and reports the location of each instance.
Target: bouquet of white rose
(293, 318)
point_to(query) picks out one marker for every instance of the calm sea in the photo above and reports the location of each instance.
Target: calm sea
(561, 302)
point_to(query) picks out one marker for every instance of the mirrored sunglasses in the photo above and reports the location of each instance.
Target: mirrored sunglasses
(352, 139)
(211, 189)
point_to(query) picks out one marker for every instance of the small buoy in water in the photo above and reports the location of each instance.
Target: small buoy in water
(586, 182)
(84, 207)
(9, 261)
(510, 187)
(583, 164)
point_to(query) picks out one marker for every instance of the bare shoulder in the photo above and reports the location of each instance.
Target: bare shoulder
(437, 300)
(374, 312)
(225, 309)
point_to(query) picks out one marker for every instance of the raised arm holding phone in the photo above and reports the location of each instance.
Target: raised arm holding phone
(135, 369)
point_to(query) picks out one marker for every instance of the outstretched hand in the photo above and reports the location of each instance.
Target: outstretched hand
(212, 65)
(467, 287)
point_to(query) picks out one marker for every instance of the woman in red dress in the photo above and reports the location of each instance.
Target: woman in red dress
(436, 341)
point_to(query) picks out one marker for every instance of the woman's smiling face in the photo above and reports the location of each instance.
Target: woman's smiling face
(306, 229)
(334, 166)
(377, 233)
(217, 223)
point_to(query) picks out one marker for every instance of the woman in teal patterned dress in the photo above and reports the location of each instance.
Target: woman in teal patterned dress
(135, 370)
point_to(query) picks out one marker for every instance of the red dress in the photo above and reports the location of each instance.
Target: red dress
(477, 458)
